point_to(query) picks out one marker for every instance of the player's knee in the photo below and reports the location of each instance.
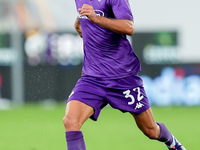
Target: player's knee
(71, 124)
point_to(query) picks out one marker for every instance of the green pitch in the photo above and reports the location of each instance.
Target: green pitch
(32, 127)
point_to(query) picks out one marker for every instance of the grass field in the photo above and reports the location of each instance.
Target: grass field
(32, 127)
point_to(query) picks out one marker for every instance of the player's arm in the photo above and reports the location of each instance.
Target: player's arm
(77, 26)
(122, 26)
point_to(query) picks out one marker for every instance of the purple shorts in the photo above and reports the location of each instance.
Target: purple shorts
(126, 94)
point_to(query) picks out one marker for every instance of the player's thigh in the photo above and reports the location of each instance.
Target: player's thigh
(146, 123)
(77, 111)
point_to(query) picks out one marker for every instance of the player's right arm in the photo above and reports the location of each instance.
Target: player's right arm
(77, 26)
(121, 26)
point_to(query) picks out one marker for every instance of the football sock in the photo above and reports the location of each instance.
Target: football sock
(165, 136)
(75, 140)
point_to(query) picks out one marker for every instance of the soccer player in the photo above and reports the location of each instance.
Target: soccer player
(109, 76)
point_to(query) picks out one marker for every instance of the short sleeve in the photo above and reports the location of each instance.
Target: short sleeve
(121, 9)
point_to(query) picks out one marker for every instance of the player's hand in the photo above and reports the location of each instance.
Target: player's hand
(88, 10)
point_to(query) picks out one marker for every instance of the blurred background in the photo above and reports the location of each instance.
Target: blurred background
(41, 60)
(41, 54)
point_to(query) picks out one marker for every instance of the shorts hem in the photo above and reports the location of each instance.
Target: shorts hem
(94, 116)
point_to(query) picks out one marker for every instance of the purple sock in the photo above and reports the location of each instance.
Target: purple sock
(75, 140)
(165, 135)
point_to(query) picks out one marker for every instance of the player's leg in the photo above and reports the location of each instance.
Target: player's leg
(146, 123)
(154, 130)
(134, 100)
(85, 101)
(76, 114)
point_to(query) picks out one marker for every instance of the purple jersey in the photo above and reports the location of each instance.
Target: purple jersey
(107, 55)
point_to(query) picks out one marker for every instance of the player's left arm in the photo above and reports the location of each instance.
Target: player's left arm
(122, 26)
(77, 26)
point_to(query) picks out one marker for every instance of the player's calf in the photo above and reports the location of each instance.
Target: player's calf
(152, 133)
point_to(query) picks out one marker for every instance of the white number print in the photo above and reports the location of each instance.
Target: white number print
(128, 95)
(139, 96)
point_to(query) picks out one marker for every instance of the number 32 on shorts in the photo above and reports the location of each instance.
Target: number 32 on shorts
(128, 95)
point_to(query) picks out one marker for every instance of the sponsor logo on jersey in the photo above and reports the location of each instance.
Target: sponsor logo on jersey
(98, 13)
